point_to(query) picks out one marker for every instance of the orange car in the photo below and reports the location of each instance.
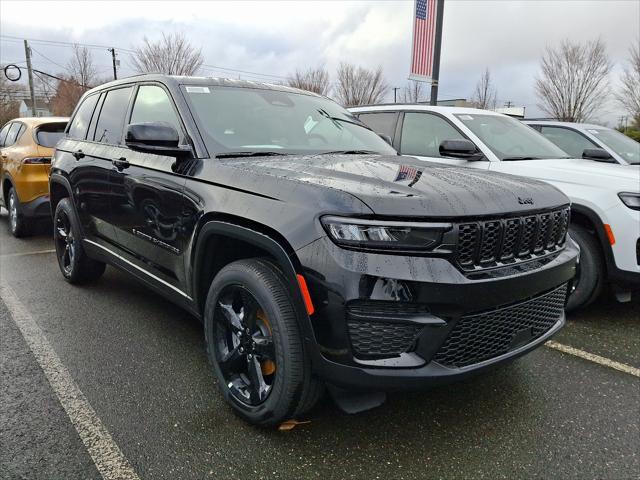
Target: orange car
(26, 147)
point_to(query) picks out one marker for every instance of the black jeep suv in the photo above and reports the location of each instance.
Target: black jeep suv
(312, 252)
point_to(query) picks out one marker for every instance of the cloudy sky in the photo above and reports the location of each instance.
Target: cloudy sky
(271, 39)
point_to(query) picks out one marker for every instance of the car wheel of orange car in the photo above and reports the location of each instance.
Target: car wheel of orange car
(17, 226)
(75, 265)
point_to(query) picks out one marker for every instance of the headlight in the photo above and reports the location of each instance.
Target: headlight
(631, 200)
(378, 234)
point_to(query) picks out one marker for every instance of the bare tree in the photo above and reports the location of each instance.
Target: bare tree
(359, 86)
(314, 80)
(485, 93)
(629, 94)
(81, 68)
(171, 55)
(66, 97)
(413, 92)
(575, 80)
(10, 95)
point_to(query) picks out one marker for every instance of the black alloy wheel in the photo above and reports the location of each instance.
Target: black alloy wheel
(65, 243)
(245, 351)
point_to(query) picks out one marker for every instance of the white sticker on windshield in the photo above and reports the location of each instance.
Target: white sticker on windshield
(192, 89)
(309, 124)
(465, 117)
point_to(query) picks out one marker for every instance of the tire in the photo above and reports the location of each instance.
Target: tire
(17, 225)
(75, 265)
(590, 278)
(290, 389)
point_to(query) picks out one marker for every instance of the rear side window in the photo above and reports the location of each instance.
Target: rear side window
(14, 133)
(571, 142)
(3, 133)
(111, 120)
(422, 134)
(80, 122)
(154, 105)
(384, 122)
(49, 134)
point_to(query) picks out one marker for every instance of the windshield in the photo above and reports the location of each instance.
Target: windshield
(624, 146)
(48, 134)
(510, 139)
(250, 120)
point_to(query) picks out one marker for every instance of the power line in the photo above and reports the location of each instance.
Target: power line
(47, 58)
(64, 44)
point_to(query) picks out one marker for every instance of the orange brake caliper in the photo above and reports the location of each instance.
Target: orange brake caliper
(267, 366)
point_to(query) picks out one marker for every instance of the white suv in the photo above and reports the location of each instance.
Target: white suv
(592, 142)
(605, 211)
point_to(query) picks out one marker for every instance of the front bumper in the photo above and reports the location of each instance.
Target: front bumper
(438, 297)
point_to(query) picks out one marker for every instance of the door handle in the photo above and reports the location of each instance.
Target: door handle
(78, 155)
(121, 163)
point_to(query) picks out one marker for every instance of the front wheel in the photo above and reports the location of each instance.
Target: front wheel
(74, 264)
(255, 345)
(590, 277)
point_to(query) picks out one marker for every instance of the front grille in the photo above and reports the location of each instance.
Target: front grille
(482, 336)
(373, 337)
(494, 242)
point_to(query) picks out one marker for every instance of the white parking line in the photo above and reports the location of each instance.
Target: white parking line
(104, 452)
(623, 367)
(22, 254)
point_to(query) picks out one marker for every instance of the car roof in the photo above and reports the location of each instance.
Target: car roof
(36, 121)
(422, 107)
(174, 81)
(563, 124)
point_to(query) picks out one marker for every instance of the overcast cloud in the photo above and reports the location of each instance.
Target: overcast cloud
(275, 38)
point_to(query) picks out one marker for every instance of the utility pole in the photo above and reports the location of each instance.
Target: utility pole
(436, 53)
(508, 104)
(27, 53)
(113, 60)
(395, 94)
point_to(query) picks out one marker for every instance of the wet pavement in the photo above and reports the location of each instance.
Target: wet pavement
(140, 362)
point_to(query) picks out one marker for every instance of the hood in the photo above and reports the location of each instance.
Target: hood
(584, 172)
(405, 186)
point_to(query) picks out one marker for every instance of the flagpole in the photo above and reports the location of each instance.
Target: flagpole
(436, 53)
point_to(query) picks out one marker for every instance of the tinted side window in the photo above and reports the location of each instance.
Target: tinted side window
(422, 134)
(111, 120)
(152, 104)
(80, 122)
(13, 134)
(3, 133)
(384, 122)
(571, 142)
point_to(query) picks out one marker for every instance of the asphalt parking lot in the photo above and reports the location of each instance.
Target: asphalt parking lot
(139, 363)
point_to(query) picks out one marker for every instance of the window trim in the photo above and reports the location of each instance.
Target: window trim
(185, 136)
(395, 121)
(105, 93)
(8, 124)
(596, 145)
(75, 113)
(435, 114)
(18, 135)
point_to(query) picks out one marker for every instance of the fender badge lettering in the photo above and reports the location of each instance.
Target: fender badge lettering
(525, 201)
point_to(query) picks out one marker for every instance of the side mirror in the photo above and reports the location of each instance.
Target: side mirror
(597, 154)
(386, 138)
(155, 137)
(461, 148)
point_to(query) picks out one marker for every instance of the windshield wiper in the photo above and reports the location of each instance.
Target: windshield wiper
(348, 152)
(248, 154)
(506, 159)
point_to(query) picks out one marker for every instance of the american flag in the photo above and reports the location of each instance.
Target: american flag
(424, 34)
(406, 172)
